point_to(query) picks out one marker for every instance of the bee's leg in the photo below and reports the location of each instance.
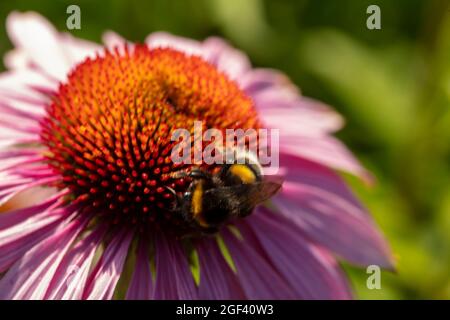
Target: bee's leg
(198, 173)
(195, 173)
(176, 196)
(179, 174)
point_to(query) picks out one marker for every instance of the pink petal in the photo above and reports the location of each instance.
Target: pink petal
(313, 174)
(19, 125)
(325, 150)
(16, 135)
(281, 105)
(35, 172)
(17, 93)
(22, 230)
(113, 40)
(257, 277)
(8, 164)
(335, 223)
(17, 59)
(141, 283)
(24, 98)
(9, 141)
(218, 52)
(22, 152)
(173, 277)
(312, 272)
(301, 120)
(79, 49)
(25, 105)
(70, 278)
(227, 59)
(34, 34)
(12, 161)
(30, 276)
(26, 115)
(217, 279)
(166, 40)
(11, 188)
(40, 44)
(304, 123)
(12, 218)
(106, 274)
(257, 80)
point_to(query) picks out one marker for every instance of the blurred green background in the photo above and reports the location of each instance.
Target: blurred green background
(392, 85)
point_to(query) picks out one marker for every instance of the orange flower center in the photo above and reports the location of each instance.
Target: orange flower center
(109, 128)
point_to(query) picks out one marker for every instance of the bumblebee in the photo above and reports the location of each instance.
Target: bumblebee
(232, 192)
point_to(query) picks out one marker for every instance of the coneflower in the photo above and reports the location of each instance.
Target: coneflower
(92, 126)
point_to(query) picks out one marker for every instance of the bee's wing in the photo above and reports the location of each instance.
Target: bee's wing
(250, 194)
(262, 191)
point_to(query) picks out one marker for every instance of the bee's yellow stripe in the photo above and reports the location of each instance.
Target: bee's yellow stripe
(197, 204)
(244, 173)
(197, 195)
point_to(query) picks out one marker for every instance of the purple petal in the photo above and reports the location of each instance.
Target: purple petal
(335, 223)
(280, 103)
(25, 115)
(18, 124)
(70, 278)
(312, 272)
(22, 152)
(215, 50)
(113, 40)
(30, 276)
(20, 82)
(20, 132)
(304, 124)
(35, 172)
(166, 40)
(14, 162)
(257, 277)
(12, 218)
(174, 279)
(256, 81)
(325, 150)
(12, 141)
(315, 175)
(106, 274)
(78, 49)
(17, 59)
(140, 287)
(11, 188)
(301, 119)
(217, 279)
(227, 59)
(28, 230)
(23, 97)
(54, 53)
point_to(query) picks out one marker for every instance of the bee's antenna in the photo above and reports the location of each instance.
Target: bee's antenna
(178, 174)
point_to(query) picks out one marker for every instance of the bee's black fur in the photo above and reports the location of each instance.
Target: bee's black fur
(224, 197)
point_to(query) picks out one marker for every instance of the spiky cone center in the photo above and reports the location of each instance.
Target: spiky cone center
(108, 130)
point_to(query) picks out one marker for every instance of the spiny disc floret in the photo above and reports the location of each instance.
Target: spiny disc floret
(108, 130)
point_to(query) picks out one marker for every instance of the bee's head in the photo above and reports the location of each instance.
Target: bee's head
(236, 174)
(245, 170)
